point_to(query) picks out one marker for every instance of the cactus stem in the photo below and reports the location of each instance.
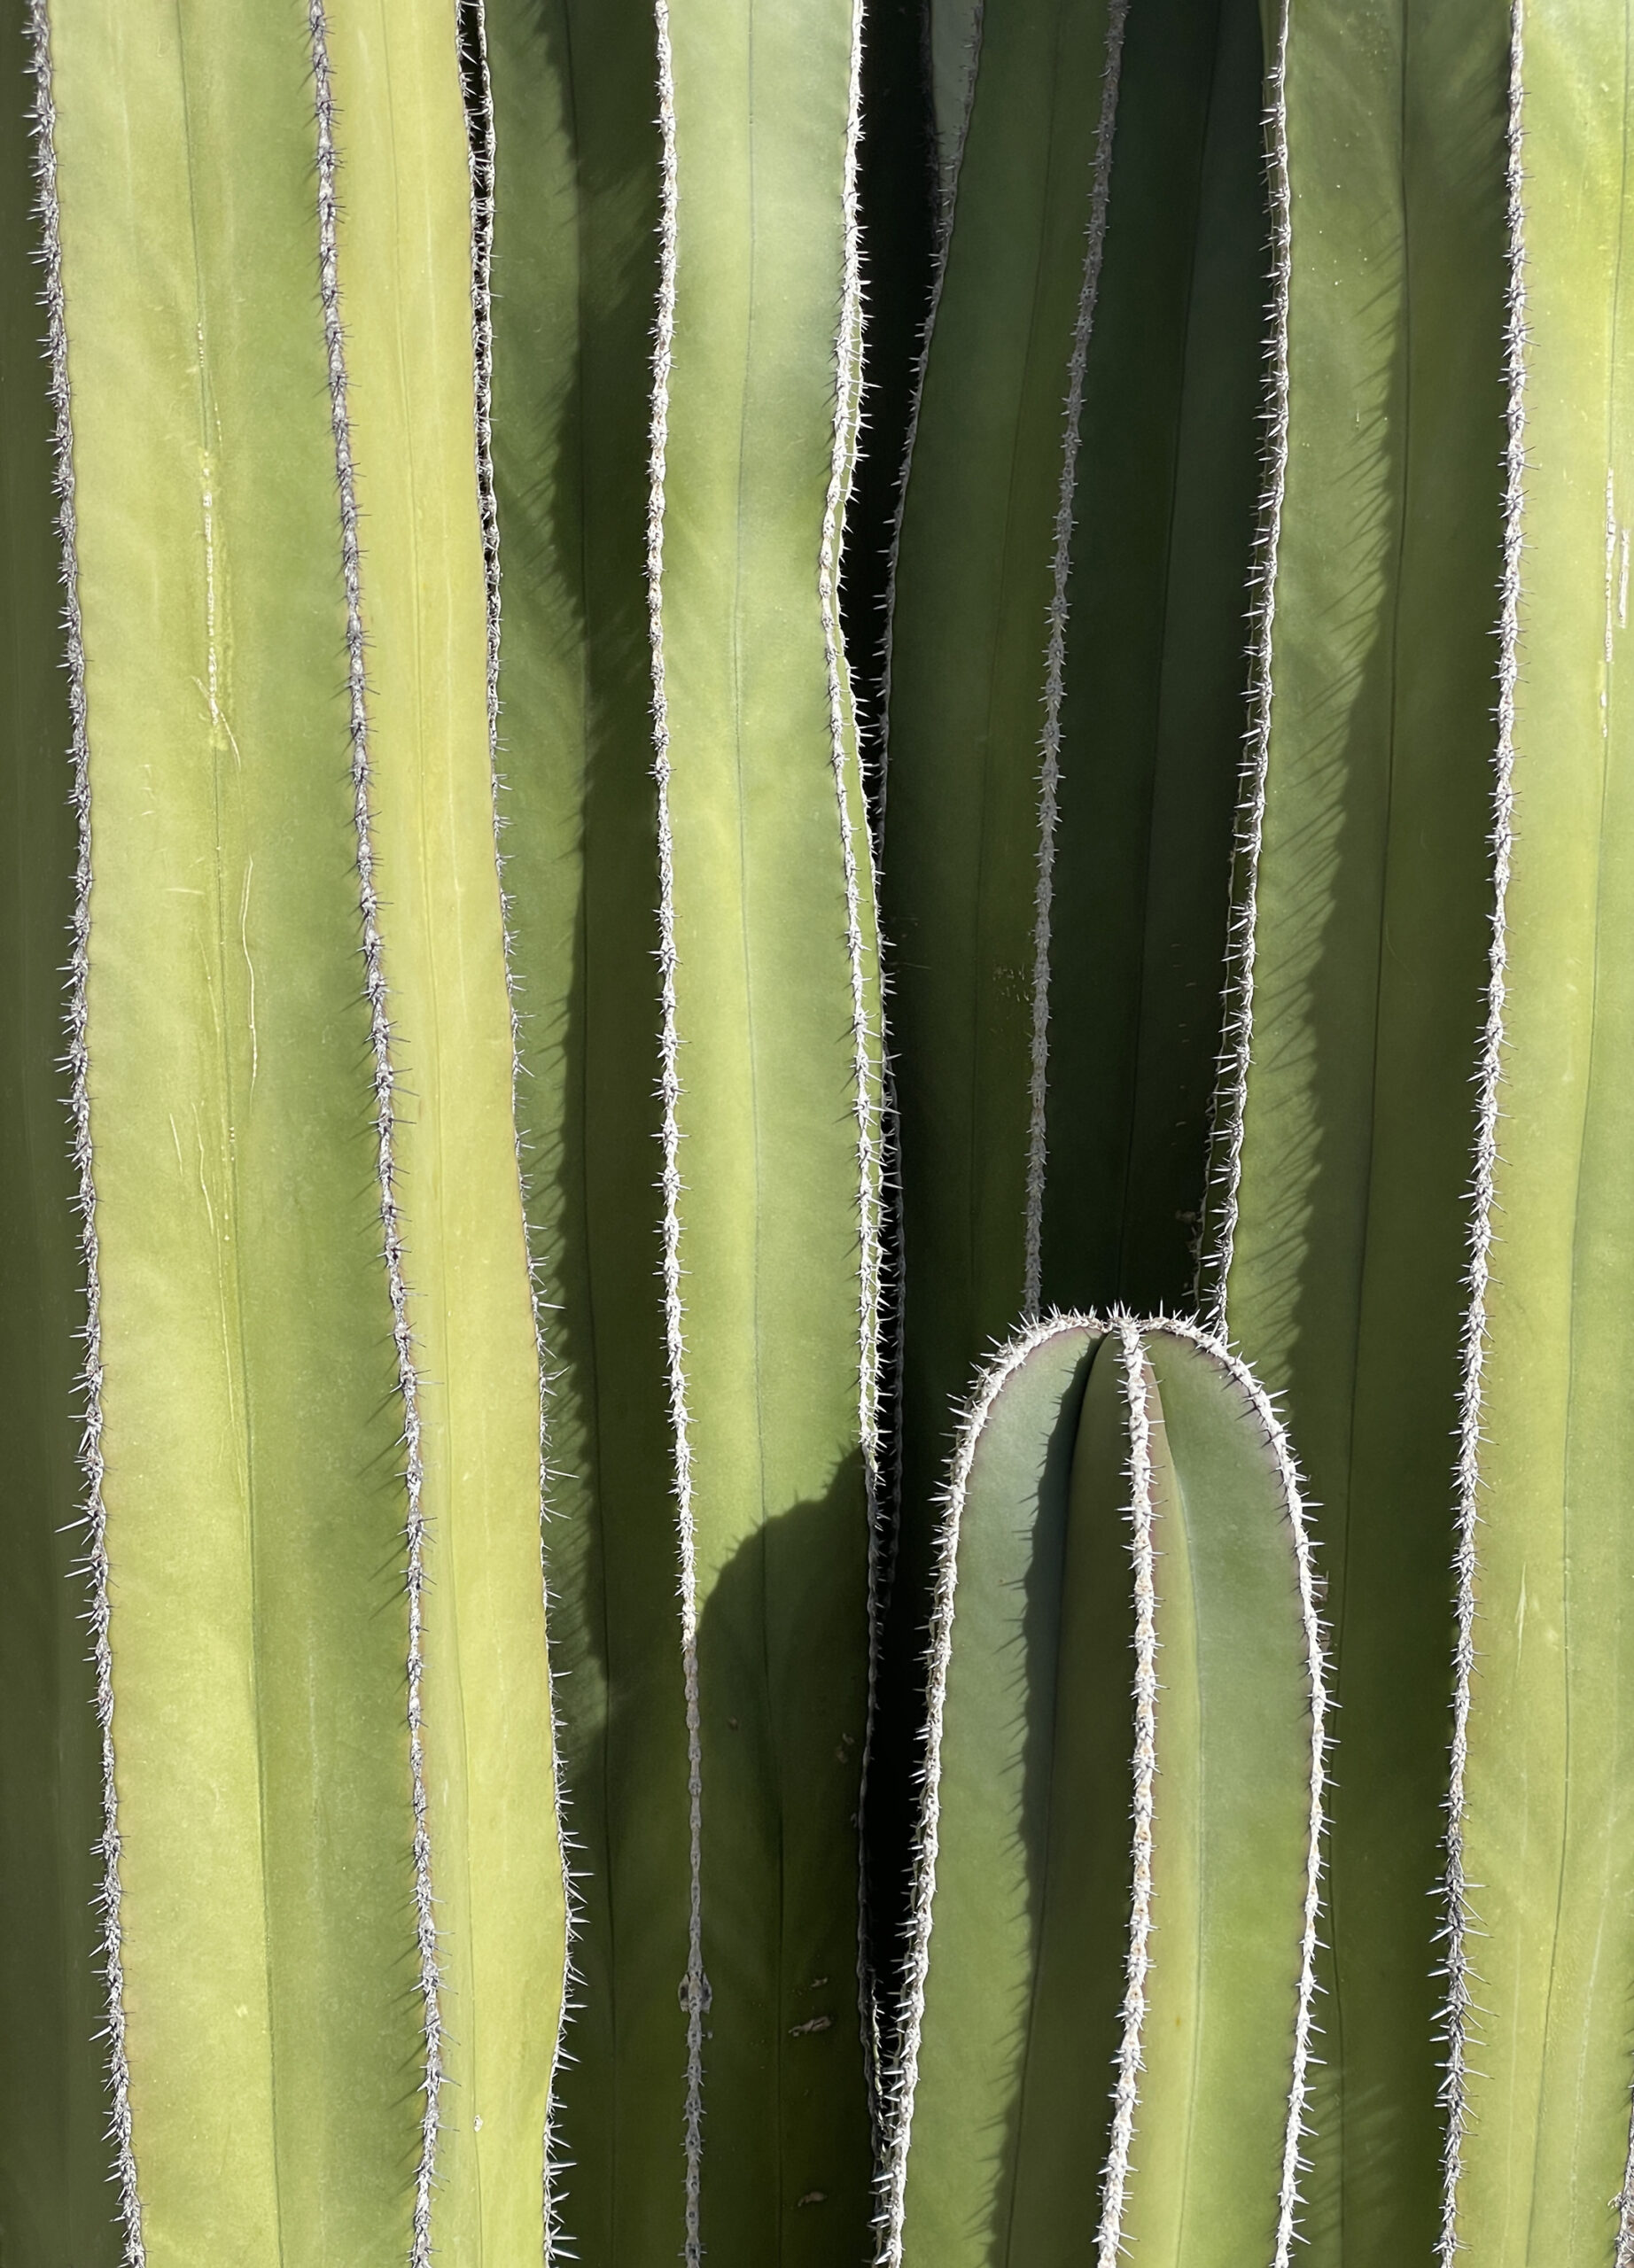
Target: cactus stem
(1055, 650)
(904, 2068)
(95, 1517)
(1459, 2013)
(1126, 2090)
(380, 1038)
(483, 189)
(1310, 1592)
(870, 1162)
(1231, 1095)
(669, 1091)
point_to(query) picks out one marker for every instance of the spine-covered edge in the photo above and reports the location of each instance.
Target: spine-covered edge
(1109, 2236)
(1298, 2129)
(482, 150)
(1056, 653)
(695, 1985)
(1459, 2014)
(385, 1162)
(1232, 1090)
(903, 2077)
(95, 1511)
(856, 852)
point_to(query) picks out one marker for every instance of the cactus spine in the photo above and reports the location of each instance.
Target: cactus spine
(1542, 1953)
(1049, 1947)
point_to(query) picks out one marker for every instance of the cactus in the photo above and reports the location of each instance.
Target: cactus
(1066, 701)
(331, 1894)
(1541, 1958)
(1347, 1110)
(1056, 1962)
(713, 1765)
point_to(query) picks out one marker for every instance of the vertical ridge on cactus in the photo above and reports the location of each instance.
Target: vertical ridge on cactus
(1033, 1981)
(1542, 1950)
(54, 2149)
(1359, 970)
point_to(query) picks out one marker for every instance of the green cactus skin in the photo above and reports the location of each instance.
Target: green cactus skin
(1154, 674)
(576, 272)
(335, 1917)
(1350, 1107)
(1066, 713)
(726, 1356)
(1057, 1958)
(54, 2196)
(1544, 1780)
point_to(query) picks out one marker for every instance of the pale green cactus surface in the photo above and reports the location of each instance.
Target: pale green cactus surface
(714, 714)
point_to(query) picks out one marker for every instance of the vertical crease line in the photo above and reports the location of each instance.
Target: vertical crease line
(695, 1988)
(1232, 1090)
(1126, 2089)
(867, 1104)
(94, 1514)
(1459, 2013)
(1298, 2129)
(1055, 652)
(483, 153)
(384, 1121)
(905, 2070)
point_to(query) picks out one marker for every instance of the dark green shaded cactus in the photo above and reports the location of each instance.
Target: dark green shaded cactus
(1125, 1626)
(1337, 1251)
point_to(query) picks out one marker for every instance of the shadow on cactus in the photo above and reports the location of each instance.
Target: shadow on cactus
(1124, 1631)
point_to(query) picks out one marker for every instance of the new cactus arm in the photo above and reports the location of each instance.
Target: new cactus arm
(253, 1514)
(576, 288)
(1125, 1607)
(488, 1882)
(1545, 1952)
(54, 2193)
(1343, 1210)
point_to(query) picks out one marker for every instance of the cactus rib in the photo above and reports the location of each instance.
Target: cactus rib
(385, 1160)
(1459, 1919)
(1216, 1248)
(669, 1088)
(95, 1512)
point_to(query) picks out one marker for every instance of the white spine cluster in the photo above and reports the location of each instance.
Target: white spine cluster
(1056, 653)
(1232, 1093)
(95, 1517)
(695, 1988)
(384, 1082)
(1461, 2014)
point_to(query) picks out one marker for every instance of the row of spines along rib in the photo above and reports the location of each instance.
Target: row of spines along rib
(1107, 2021)
(331, 1894)
(702, 1142)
